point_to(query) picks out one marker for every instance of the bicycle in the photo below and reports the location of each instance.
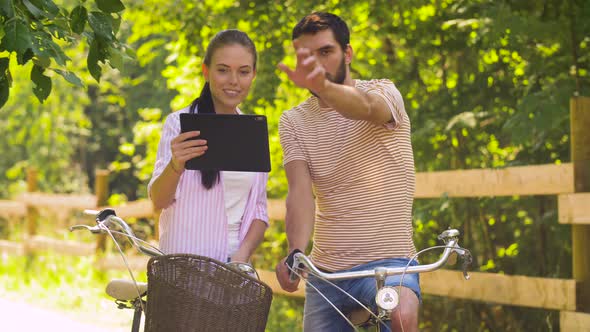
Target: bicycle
(386, 298)
(185, 292)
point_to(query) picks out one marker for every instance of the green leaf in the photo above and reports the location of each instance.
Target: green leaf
(4, 90)
(6, 8)
(70, 77)
(36, 12)
(116, 58)
(40, 8)
(49, 6)
(4, 80)
(4, 62)
(116, 23)
(60, 29)
(127, 149)
(42, 61)
(110, 6)
(18, 36)
(92, 60)
(42, 87)
(23, 58)
(44, 46)
(78, 19)
(130, 52)
(101, 25)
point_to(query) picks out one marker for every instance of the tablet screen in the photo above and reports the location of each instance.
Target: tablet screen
(235, 142)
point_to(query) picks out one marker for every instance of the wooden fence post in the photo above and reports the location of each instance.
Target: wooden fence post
(32, 213)
(101, 190)
(580, 150)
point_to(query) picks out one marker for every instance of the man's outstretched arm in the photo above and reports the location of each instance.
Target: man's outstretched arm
(347, 100)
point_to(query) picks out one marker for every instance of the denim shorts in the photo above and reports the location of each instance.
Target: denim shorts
(319, 315)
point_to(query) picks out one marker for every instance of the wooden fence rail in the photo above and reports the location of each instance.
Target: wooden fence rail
(523, 180)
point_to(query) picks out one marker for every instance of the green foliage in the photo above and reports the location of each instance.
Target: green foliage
(45, 136)
(39, 30)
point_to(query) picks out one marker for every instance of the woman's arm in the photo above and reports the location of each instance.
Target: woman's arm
(164, 187)
(255, 233)
(251, 241)
(177, 150)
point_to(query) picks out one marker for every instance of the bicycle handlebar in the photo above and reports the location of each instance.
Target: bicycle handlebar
(449, 237)
(106, 218)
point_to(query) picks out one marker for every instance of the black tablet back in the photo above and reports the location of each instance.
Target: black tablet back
(235, 142)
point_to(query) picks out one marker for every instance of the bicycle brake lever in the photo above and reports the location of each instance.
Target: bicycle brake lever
(290, 262)
(103, 215)
(467, 259)
(448, 234)
(94, 230)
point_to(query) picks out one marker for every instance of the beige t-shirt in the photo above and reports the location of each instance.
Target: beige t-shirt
(363, 179)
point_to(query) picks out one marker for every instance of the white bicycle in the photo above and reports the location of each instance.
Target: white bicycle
(386, 298)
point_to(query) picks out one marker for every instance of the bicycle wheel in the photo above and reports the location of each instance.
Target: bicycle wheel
(190, 293)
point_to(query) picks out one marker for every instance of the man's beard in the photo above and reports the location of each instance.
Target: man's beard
(339, 77)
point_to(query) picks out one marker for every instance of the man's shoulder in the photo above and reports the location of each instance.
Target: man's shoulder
(297, 113)
(377, 83)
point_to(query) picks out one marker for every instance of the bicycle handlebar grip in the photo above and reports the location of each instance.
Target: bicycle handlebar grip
(290, 262)
(104, 214)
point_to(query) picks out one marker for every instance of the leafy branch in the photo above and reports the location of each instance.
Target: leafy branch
(40, 30)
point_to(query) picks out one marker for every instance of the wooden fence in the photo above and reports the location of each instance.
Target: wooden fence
(570, 182)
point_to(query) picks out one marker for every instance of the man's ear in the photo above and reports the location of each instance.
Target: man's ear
(348, 53)
(205, 70)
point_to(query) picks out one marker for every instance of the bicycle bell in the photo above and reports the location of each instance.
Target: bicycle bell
(387, 298)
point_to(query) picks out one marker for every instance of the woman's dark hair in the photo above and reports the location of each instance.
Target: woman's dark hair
(319, 21)
(204, 103)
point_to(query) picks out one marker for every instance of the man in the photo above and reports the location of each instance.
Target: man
(349, 145)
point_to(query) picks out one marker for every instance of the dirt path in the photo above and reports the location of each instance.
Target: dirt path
(20, 316)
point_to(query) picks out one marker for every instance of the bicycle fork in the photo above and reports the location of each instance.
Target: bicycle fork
(387, 298)
(137, 305)
(136, 316)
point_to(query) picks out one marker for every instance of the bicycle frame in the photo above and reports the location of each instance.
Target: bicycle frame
(386, 297)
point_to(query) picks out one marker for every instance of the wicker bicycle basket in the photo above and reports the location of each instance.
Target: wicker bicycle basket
(195, 293)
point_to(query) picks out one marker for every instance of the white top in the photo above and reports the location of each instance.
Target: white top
(236, 187)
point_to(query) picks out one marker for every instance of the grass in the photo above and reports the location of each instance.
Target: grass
(69, 285)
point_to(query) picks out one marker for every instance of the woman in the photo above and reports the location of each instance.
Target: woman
(221, 215)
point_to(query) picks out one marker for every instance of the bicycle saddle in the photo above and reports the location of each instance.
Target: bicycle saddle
(125, 290)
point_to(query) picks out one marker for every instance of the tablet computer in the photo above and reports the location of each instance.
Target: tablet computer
(235, 142)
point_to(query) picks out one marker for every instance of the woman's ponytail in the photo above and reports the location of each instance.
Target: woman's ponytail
(204, 105)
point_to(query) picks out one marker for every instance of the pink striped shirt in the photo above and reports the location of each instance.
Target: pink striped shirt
(196, 222)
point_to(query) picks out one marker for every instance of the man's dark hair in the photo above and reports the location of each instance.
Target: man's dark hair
(319, 21)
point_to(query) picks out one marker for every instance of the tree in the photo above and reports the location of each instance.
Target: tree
(38, 31)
